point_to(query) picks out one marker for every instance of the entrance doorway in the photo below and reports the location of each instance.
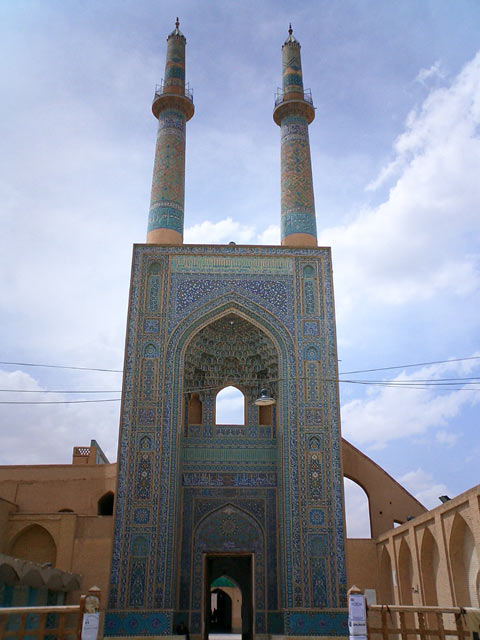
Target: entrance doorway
(236, 569)
(221, 612)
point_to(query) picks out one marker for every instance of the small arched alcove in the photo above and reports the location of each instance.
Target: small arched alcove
(230, 406)
(34, 543)
(105, 504)
(357, 510)
(195, 409)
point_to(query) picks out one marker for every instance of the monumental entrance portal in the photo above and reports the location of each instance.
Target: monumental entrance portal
(261, 502)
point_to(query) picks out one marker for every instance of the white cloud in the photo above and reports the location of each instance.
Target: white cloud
(445, 437)
(423, 239)
(435, 72)
(423, 486)
(221, 232)
(228, 230)
(270, 235)
(392, 413)
(47, 433)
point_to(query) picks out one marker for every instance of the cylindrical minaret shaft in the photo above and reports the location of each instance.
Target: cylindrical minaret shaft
(173, 107)
(293, 113)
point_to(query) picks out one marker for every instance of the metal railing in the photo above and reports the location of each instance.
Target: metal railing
(160, 90)
(279, 96)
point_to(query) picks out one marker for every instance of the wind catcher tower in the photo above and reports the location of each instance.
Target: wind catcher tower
(259, 503)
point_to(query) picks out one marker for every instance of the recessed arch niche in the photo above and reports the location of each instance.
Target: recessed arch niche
(385, 591)
(429, 564)
(405, 573)
(230, 351)
(36, 544)
(464, 562)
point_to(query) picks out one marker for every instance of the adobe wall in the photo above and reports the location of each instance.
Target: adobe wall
(434, 558)
(389, 502)
(33, 524)
(51, 488)
(6, 508)
(361, 563)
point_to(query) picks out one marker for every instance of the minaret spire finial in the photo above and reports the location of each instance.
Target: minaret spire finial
(290, 30)
(177, 23)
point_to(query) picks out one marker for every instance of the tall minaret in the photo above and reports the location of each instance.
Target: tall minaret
(293, 113)
(173, 106)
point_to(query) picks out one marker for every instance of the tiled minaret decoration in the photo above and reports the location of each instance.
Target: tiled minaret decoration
(293, 113)
(173, 107)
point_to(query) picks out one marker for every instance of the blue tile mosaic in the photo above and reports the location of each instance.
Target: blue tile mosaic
(180, 493)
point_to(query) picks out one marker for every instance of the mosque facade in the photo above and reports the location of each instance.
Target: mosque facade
(196, 500)
(256, 509)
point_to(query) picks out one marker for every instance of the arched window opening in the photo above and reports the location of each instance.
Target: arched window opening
(105, 505)
(36, 545)
(195, 410)
(397, 523)
(265, 415)
(464, 560)
(357, 510)
(230, 406)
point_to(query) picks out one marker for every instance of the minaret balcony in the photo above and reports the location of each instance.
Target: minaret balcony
(287, 104)
(171, 96)
(161, 89)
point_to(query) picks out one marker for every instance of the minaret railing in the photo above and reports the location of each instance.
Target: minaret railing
(160, 90)
(280, 96)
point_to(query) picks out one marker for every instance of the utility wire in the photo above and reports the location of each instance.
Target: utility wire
(58, 366)
(406, 385)
(442, 384)
(419, 383)
(52, 391)
(400, 366)
(400, 383)
(406, 366)
(59, 401)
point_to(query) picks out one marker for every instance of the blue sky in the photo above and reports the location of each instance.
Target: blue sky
(396, 159)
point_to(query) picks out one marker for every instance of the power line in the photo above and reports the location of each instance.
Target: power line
(53, 391)
(451, 387)
(406, 366)
(59, 401)
(400, 366)
(452, 383)
(58, 366)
